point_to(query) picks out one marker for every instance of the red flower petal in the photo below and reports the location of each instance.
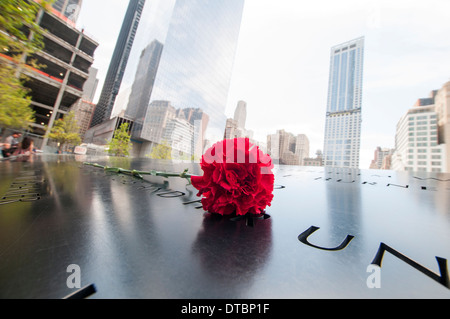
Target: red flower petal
(237, 178)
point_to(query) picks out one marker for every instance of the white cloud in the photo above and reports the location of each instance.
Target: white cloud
(282, 64)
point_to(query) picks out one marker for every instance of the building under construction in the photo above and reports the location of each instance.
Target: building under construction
(64, 64)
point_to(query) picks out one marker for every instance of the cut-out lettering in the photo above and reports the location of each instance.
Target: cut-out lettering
(303, 238)
(442, 263)
(192, 202)
(425, 188)
(172, 194)
(406, 186)
(341, 181)
(250, 220)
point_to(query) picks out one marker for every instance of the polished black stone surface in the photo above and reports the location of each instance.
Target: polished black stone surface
(139, 239)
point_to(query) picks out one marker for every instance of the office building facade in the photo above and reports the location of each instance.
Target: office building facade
(141, 90)
(118, 63)
(382, 158)
(343, 118)
(287, 149)
(316, 161)
(419, 143)
(442, 103)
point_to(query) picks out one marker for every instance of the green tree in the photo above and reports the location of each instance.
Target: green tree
(20, 35)
(161, 151)
(120, 144)
(65, 132)
(15, 111)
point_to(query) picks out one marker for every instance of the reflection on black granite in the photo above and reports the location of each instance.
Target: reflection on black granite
(132, 243)
(122, 238)
(303, 237)
(343, 198)
(231, 253)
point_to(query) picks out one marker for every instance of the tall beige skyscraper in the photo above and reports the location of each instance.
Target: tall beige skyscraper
(344, 109)
(235, 127)
(240, 114)
(302, 148)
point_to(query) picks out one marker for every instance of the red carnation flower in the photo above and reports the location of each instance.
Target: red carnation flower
(237, 178)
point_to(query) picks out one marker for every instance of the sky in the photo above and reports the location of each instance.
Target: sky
(282, 62)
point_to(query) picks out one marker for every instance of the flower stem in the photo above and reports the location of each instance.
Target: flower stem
(139, 174)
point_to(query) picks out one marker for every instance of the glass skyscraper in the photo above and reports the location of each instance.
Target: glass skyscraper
(198, 41)
(119, 60)
(143, 83)
(343, 119)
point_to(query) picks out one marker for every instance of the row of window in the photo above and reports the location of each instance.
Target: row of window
(340, 142)
(425, 157)
(422, 117)
(425, 163)
(422, 128)
(342, 164)
(340, 158)
(422, 150)
(422, 123)
(422, 133)
(423, 169)
(422, 144)
(421, 139)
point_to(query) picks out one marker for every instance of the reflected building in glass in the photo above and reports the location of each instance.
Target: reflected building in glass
(343, 119)
(119, 60)
(182, 59)
(144, 81)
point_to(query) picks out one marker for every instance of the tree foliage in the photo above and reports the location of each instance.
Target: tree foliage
(161, 151)
(20, 30)
(65, 131)
(120, 144)
(19, 34)
(15, 112)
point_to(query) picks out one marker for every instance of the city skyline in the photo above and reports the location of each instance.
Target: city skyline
(187, 64)
(283, 61)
